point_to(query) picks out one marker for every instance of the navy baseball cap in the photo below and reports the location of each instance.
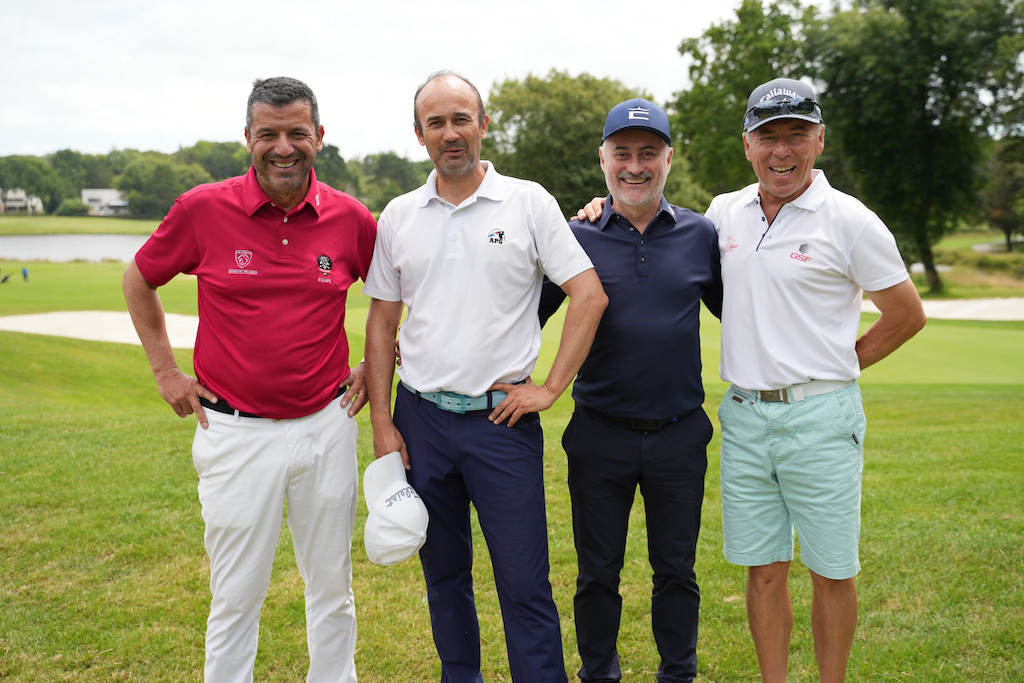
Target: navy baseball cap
(781, 98)
(637, 113)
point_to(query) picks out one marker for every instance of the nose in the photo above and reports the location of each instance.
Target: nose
(449, 133)
(781, 147)
(635, 166)
(282, 145)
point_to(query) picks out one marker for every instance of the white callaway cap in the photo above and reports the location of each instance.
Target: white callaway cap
(397, 524)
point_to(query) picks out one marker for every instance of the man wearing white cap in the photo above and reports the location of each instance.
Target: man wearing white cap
(796, 255)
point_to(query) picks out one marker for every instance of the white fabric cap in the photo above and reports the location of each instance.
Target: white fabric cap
(397, 524)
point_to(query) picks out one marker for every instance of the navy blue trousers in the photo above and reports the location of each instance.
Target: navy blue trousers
(607, 461)
(461, 459)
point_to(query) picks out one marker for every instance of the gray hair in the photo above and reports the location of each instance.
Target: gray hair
(278, 92)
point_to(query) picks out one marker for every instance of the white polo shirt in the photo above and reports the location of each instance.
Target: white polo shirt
(793, 289)
(471, 277)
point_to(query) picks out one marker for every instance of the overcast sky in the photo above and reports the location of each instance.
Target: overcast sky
(99, 75)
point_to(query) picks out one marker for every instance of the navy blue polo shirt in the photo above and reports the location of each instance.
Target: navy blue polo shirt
(645, 359)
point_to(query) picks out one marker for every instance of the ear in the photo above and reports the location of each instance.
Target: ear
(419, 135)
(483, 126)
(248, 142)
(746, 147)
(320, 139)
(821, 138)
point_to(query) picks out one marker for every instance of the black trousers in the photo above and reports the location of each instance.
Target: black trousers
(607, 460)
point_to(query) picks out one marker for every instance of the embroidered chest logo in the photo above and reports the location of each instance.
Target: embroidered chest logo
(243, 259)
(324, 263)
(801, 253)
(731, 244)
(496, 236)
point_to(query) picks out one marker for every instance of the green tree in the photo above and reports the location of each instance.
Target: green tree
(379, 178)
(405, 174)
(220, 159)
(36, 177)
(82, 170)
(549, 130)
(331, 168)
(151, 182)
(1002, 197)
(912, 88)
(728, 61)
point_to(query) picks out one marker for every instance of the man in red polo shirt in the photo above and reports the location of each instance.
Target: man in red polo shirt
(275, 252)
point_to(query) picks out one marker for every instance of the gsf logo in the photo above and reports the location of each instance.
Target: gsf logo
(799, 257)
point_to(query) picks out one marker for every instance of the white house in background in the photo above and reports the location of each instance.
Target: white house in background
(104, 201)
(16, 200)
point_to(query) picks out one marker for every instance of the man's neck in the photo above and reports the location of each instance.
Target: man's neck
(638, 216)
(287, 202)
(456, 189)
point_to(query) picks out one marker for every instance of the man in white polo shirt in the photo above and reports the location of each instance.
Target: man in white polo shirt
(466, 254)
(796, 255)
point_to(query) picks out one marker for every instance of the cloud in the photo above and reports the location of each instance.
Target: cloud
(116, 74)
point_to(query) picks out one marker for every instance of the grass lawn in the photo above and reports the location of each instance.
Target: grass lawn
(103, 576)
(74, 225)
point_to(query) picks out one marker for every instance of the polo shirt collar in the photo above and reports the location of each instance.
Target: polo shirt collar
(254, 198)
(491, 187)
(814, 196)
(606, 216)
(811, 199)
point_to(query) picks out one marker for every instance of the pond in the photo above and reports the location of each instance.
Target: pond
(70, 247)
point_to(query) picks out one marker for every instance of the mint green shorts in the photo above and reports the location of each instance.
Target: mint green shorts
(793, 467)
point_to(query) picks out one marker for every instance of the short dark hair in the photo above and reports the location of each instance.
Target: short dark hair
(278, 92)
(439, 74)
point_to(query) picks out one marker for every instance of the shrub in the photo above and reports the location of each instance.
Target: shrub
(73, 207)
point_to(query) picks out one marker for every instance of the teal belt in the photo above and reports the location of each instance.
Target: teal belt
(460, 403)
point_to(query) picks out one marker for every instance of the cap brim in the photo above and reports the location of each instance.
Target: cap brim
(380, 473)
(758, 124)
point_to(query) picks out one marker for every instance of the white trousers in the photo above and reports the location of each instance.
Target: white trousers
(248, 468)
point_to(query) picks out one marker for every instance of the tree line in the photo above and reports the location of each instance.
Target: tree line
(923, 103)
(151, 180)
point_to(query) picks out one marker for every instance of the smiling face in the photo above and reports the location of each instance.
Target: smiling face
(636, 164)
(783, 152)
(283, 143)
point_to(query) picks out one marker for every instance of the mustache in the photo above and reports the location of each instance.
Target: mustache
(646, 175)
(454, 145)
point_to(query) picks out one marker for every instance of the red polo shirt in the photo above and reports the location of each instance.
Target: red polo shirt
(272, 289)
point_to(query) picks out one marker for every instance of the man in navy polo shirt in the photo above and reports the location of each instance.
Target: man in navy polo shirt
(638, 417)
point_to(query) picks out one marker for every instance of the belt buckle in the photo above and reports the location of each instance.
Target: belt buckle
(451, 402)
(775, 396)
(646, 425)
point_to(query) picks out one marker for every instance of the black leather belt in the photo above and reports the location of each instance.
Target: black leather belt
(641, 425)
(221, 406)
